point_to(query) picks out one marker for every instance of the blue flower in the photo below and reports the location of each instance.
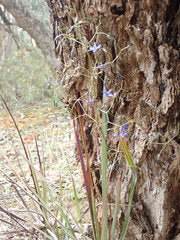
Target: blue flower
(101, 66)
(123, 131)
(90, 100)
(108, 93)
(94, 48)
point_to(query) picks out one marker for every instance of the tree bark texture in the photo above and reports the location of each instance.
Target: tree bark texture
(33, 26)
(145, 78)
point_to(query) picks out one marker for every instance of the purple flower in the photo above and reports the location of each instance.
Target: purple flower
(90, 100)
(101, 66)
(108, 93)
(94, 48)
(123, 131)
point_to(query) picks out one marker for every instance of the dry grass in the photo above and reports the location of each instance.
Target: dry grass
(56, 145)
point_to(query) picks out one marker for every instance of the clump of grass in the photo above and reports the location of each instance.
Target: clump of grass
(65, 226)
(104, 230)
(55, 218)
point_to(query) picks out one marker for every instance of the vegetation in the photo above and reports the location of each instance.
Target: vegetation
(52, 206)
(120, 101)
(25, 79)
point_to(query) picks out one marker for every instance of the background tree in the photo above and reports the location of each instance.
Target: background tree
(27, 58)
(144, 76)
(33, 25)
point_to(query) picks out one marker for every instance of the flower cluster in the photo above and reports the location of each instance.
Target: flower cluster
(101, 66)
(107, 93)
(123, 131)
(90, 100)
(94, 48)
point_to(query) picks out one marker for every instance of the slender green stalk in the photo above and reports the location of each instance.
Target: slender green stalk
(104, 233)
(132, 166)
(97, 228)
(128, 156)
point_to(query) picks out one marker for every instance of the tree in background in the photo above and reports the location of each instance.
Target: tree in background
(33, 24)
(128, 51)
(27, 75)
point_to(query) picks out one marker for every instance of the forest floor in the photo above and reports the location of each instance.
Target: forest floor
(55, 139)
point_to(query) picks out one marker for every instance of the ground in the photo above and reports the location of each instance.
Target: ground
(53, 130)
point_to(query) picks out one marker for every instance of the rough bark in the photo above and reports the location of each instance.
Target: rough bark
(145, 79)
(35, 28)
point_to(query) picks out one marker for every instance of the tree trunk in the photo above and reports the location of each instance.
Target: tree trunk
(139, 46)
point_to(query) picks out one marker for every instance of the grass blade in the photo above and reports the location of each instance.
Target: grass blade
(86, 180)
(132, 166)
(104, 233)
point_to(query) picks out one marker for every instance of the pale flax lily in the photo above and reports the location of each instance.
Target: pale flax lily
(123, 131)
(108, 93)
(90, 100)
(94, 48)
(101, 66)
